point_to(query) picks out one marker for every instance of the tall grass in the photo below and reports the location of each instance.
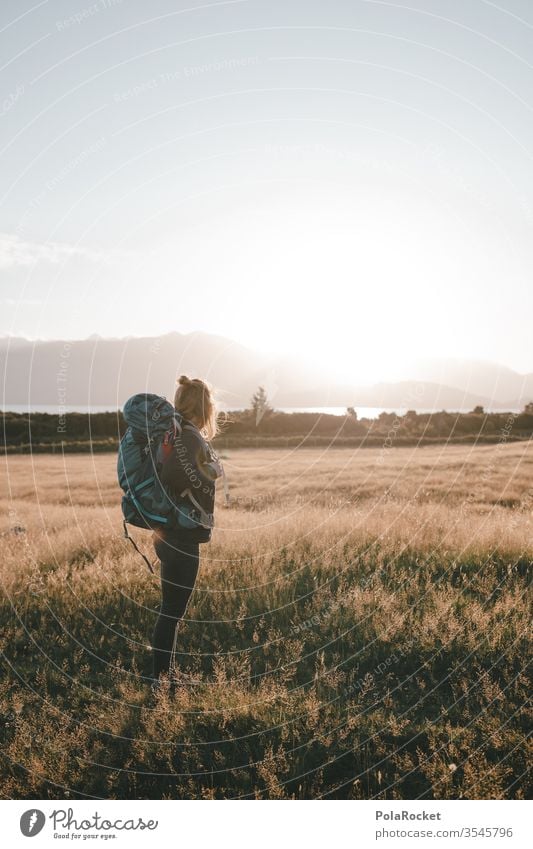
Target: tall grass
(359, 630)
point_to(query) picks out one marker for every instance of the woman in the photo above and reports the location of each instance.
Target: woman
(189, 465)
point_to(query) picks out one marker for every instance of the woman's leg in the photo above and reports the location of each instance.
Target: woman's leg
(179, 568)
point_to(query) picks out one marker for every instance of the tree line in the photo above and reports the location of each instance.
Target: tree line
(261, 424)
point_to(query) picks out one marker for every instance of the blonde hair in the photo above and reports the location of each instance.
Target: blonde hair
(194, 400)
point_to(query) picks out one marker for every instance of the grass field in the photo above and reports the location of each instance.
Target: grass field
(359, 630)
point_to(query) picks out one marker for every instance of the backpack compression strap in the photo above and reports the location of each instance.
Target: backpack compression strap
(137, 549)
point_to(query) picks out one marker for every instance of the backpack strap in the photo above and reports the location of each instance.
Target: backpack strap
(214, 456)
(227, 496)
(136, 547)
(206, 519)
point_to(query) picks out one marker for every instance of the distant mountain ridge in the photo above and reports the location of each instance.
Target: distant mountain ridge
(106, 371)
(489, 380)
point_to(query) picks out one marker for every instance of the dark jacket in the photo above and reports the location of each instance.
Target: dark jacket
(190, 464)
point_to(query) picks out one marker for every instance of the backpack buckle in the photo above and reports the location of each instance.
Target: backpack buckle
(148, 447)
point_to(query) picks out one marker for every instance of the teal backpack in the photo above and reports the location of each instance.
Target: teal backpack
(146, 503)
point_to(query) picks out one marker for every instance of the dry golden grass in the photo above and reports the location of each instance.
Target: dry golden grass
(359, 630)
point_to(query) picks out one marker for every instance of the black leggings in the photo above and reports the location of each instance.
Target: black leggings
(179, 568)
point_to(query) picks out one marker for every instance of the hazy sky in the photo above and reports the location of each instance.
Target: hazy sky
(351, 181)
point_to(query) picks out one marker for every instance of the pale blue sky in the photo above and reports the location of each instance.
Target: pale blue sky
(350, 181)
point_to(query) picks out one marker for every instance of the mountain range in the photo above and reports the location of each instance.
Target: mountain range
(104, 372)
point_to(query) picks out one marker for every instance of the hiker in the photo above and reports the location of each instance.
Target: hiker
(190, 465)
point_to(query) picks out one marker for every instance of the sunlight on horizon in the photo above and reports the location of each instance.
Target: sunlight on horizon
(360, 287)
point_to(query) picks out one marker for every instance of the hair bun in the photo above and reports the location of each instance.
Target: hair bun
(183, 380)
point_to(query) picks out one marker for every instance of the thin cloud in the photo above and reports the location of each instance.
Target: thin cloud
(22, 302)
(19, 253)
